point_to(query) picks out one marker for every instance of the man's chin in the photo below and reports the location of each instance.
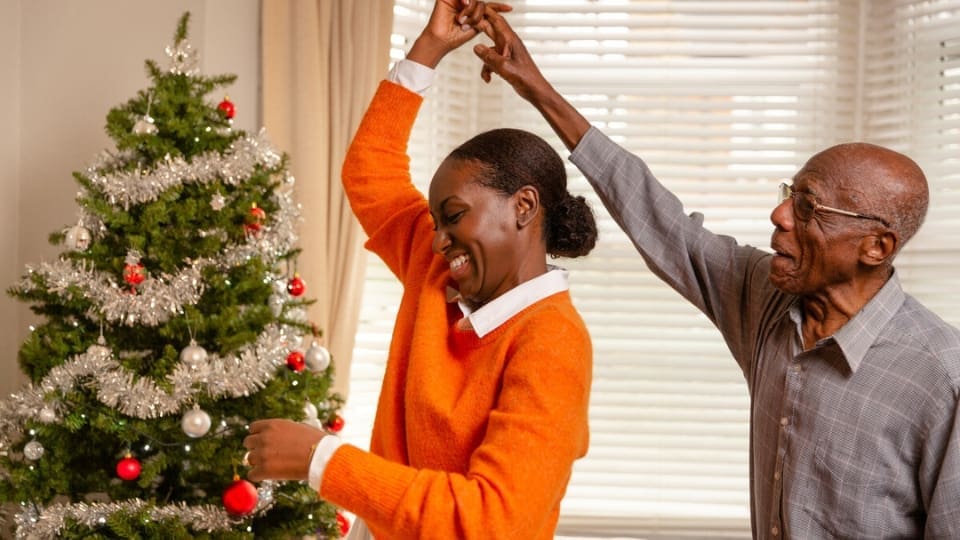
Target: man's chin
(783, 283)
(780, 277)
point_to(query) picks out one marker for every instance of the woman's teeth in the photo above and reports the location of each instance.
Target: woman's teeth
(458, 261)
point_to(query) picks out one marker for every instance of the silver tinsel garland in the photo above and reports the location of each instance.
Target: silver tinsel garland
(233, 376)
(155, 301)
(233, 166)
(34, 523)
(161, 297)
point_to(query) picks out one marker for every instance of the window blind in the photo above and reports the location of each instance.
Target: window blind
(912, 104)
(723, 100)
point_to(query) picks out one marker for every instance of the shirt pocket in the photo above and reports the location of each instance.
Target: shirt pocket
(851, 480)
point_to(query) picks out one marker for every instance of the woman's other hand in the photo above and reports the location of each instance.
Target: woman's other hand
(280, 449)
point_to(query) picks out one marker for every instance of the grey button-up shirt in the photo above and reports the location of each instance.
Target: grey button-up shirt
(858, 437)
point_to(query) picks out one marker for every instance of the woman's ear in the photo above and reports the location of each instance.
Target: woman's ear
(527, 200)
(876, 249)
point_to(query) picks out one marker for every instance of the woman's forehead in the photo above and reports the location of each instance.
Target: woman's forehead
(460, 180)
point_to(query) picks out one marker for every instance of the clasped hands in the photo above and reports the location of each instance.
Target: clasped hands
(455, 22)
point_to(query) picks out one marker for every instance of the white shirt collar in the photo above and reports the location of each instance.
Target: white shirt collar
(499, 310)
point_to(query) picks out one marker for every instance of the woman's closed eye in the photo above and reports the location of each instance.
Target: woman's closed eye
(448, 219)
(452, 219)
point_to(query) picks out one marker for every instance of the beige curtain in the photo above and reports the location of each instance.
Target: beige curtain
(322, 60)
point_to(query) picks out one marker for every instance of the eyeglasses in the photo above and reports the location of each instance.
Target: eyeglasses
(805, 204)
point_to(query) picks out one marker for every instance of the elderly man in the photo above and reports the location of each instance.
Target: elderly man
(854, 385)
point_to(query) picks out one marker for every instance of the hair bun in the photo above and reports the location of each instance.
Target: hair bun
(572, 228)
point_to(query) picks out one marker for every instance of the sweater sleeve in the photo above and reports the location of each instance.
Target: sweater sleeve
(515, 478)
(376, 180)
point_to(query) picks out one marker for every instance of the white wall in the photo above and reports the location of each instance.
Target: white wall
(9, 184)
(65, 64)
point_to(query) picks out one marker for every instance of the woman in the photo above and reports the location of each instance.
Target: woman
(483, 408)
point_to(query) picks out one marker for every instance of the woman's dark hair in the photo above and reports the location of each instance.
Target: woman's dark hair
(513, 158)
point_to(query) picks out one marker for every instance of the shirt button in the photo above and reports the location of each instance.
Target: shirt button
(776, 475)
(784, 421)
(797, 367)
(774, 530)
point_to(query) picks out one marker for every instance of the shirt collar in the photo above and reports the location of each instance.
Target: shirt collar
(859, 333)
(493, 314)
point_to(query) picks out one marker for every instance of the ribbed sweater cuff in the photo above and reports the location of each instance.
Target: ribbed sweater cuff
(353, 474)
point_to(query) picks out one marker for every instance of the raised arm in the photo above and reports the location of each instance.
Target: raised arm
(509, 59)
(452, 23)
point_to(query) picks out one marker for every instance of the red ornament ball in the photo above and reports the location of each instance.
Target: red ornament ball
(240, 497)
(128, 468)
(336, 424)
(296, 286)
(255, 219)
(134, 274)
(296, 361)
(343, 523)
(257, 214)
(227, 108)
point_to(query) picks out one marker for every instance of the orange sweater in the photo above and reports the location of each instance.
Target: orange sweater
(473, 437)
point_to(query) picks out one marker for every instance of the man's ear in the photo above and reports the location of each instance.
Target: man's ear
(527, 200)
(876, 249)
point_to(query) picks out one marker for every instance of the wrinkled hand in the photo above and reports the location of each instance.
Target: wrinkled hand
(280, 449)
(508, 58)
(452, 23)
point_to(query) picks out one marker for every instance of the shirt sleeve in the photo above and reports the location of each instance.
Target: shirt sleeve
(321, 456)
(411, 75)
(729, 283)
(940, 477)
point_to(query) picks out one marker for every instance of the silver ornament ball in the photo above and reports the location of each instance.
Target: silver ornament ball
(310, 410)
(317, 357)
(144, 126)
(33, 450)
(193, 355)
(196, 423)
(47, 415)
(78, 238)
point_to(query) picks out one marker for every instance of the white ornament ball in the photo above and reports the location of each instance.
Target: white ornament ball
(218, 202)
(99, 349)
(78, 238)
(47, 415)
(193, 355)
(33, 450)
(310, 410)
(144, 126)
(317, 357)
(196, 423)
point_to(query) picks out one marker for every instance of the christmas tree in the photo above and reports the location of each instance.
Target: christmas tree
(172, 318)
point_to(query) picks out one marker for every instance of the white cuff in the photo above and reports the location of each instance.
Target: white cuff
(412, 76)
(321, 456)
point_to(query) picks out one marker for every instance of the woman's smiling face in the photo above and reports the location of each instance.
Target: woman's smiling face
(476, 231)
